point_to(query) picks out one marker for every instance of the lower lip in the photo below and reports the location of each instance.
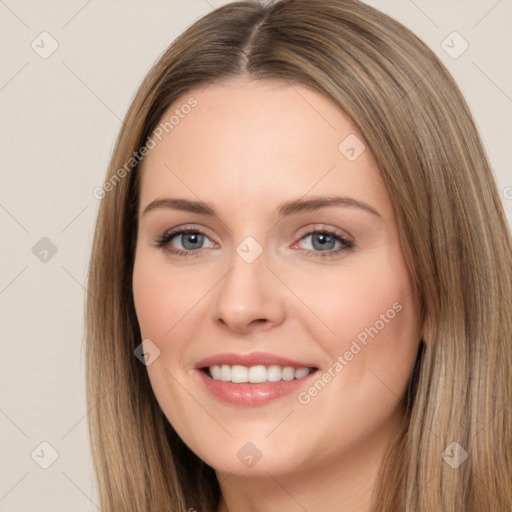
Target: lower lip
(252, 394)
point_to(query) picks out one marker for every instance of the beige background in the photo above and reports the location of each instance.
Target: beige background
(59, 119)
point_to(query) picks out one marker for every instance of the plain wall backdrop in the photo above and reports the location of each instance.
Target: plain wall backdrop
(69, 71)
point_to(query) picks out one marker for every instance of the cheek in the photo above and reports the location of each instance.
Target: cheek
(367, 316)
(375, 303)
(162, 296)
(371, 346)
(354, 301)
(151, 302)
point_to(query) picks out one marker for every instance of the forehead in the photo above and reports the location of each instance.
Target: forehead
(257, 139)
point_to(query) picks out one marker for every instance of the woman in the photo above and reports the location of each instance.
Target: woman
(300, 285)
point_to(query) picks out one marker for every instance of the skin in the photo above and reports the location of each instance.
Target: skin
(246, 147)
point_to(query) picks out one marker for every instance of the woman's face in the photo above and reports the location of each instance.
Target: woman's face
(293, 279)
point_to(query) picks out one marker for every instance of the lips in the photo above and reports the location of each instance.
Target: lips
(252, 379)
(252, 359)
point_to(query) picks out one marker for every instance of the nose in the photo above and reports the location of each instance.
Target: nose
(249, 297)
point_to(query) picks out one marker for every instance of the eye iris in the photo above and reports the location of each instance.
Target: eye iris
(195, 239)
(323, 239)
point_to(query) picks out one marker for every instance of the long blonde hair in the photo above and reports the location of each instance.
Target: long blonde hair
(453, 232)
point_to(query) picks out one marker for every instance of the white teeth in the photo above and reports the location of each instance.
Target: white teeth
(239, 373)
(225, 373)
(216, 372)
(301, 372)
(274, 373)
(288, 373)
(256, 374)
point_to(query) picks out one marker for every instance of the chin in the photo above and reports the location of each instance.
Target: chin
(252, 460)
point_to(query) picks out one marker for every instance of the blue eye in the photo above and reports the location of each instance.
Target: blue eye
(324, 243)
(192, 239)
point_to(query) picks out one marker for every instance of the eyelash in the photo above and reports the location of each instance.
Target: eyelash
(164, 241)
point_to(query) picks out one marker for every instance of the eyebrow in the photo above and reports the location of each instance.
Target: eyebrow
(292, 207)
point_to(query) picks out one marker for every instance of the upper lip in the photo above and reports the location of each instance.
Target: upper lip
(252, 359)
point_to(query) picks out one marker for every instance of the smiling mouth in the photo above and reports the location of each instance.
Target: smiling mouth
(239, 374)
